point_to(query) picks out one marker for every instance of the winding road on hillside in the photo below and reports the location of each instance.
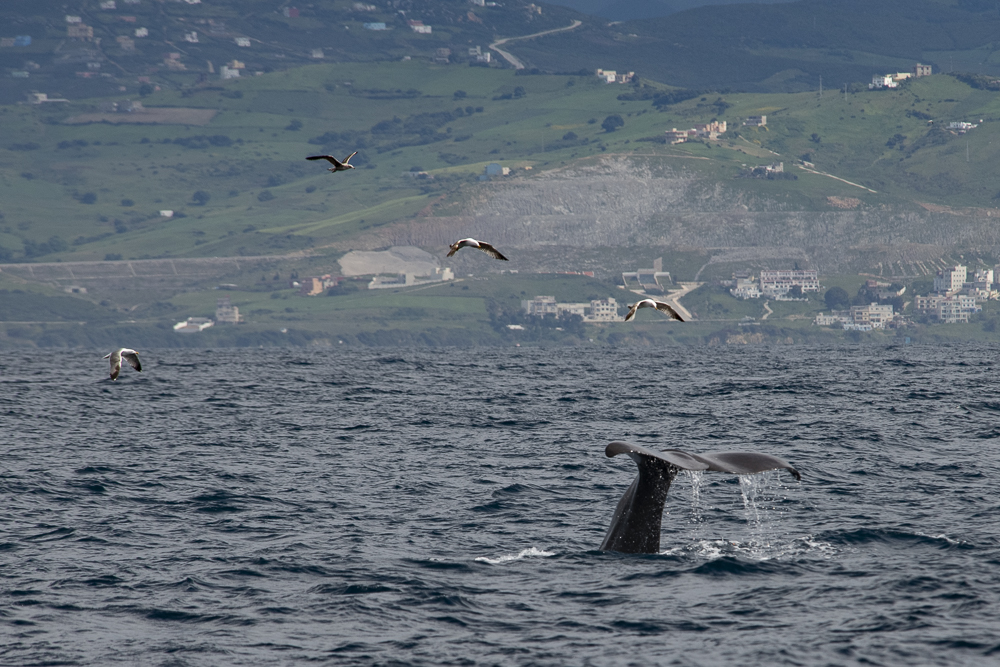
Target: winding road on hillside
(512, 59)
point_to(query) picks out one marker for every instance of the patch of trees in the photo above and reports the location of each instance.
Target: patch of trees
(837, 298)
(37, 249)
(515, 94)
(612, 123)
(979, 81)
(677, 96)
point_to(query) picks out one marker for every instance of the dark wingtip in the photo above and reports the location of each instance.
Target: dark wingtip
(795, 473)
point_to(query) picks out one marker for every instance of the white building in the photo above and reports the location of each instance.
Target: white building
(949, 309)
(191, 37)
(746, 288)
(193, 325)
(962, 127)
(950, 281)
(242, 41)
(228, 73)
(612, 76)
(774, 283)
(983, 279)
(226, 312)
(836, 317)
(603, 310)
(873, 314)
(598, 310)
(882, 81)
(411, 279)
(142, 32)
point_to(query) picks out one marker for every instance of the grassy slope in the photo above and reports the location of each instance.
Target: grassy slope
(38, 186)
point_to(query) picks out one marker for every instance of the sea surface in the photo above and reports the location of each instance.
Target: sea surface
(445, 507)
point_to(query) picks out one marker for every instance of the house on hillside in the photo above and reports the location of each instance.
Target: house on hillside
(226, 312)
(755, 121)
(612, 76)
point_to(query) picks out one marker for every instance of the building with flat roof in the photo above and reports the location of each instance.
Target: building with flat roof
(951, 280)
(226, 312)
(873, 314)
(777, 282)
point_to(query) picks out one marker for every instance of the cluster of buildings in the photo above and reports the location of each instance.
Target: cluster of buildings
(774, 283)
(225, 313)
(699, 131)
(881, 81)
(961, 127)
(954, 299)
(955, 296)
(611, 76)
(598, 310)
(859, 318)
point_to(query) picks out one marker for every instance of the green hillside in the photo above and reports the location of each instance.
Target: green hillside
(240, 185)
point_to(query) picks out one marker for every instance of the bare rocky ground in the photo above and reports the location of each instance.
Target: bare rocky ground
(557, 220)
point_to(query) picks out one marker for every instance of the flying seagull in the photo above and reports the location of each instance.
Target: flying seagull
(131, 356)
(473, 243)
(338, 165)
(652, 303)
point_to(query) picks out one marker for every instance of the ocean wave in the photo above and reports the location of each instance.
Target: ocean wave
(531, 552)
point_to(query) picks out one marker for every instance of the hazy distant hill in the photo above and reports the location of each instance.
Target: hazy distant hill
(784, 47)
(620, 10)
(763, 46)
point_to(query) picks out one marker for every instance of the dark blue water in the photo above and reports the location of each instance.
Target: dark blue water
(433, 507)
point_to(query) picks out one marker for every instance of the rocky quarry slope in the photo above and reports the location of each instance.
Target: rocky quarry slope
(558, 219)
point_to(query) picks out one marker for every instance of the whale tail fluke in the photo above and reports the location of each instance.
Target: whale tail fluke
(635, 527)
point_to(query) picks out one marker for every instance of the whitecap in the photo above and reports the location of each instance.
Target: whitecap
(526, 553)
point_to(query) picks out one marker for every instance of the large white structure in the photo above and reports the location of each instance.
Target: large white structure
(873, 314)
(226, 312)
(647, 280)
(598, 310)
(950, 281)
(411, 279)
(193, 325)
(774, 283)
(746, 288)
(949, 309)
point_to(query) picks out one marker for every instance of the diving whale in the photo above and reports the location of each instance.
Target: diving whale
(635, 527)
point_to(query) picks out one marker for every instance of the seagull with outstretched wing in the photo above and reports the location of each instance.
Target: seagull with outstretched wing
(652, 303)
(473, 243)
(338, 165)
(131, 356)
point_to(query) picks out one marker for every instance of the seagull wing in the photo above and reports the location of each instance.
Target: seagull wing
(491, 251)
(631, 311)
(329, 158)
(453, 248)
(116, 367)
(132, 357)
(668, 309)
(348, 158)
